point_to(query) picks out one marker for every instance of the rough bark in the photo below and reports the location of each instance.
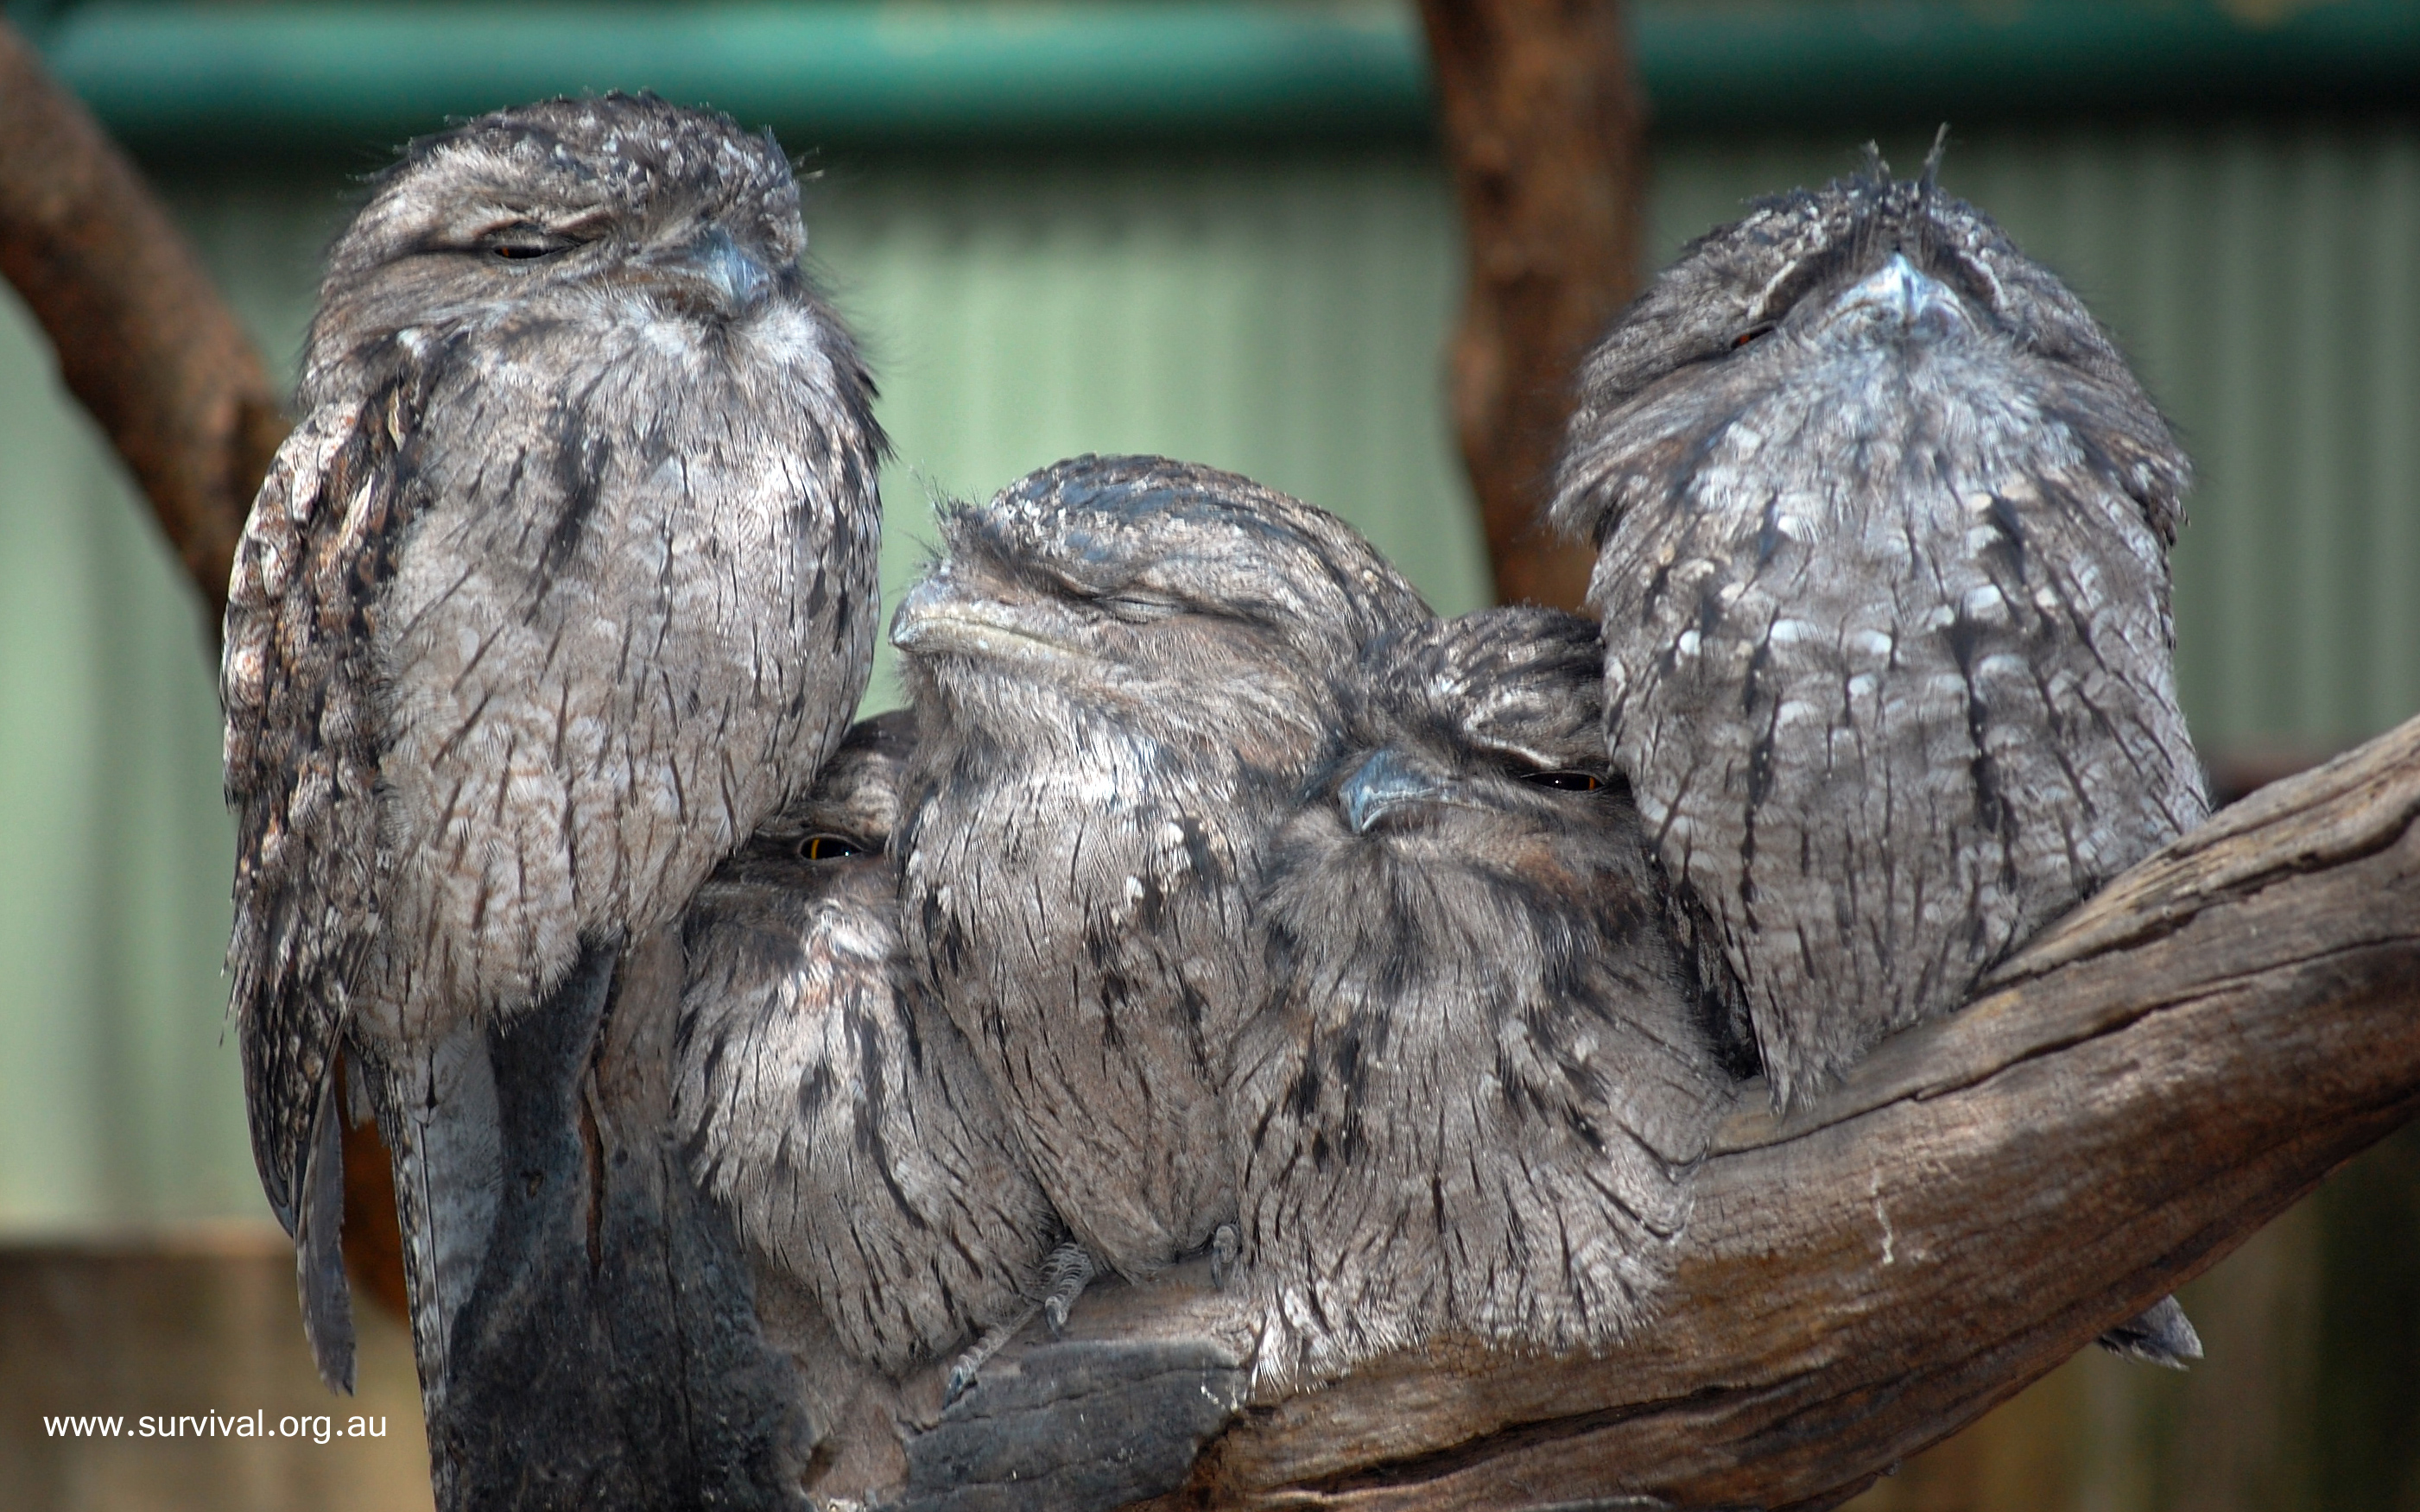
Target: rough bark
(2131, 1098)
(1542, 123)
(143, 341)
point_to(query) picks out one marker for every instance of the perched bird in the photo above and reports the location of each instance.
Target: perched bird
(1881, 523)
(830, 1105)
(565, 582)
(1122, 668)
(1488, 1061)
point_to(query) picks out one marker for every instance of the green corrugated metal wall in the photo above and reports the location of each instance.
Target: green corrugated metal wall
(1284, 317)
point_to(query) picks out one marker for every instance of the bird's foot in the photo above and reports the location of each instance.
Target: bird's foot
(1064, 1275)
(1225, 1246)
(964, 1368)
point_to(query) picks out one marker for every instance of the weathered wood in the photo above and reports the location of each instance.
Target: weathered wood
(1539, 114)
(1142, 1409)
(143, 341)
(2131, 1097)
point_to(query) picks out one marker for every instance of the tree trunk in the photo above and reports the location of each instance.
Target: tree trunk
(1539, 112)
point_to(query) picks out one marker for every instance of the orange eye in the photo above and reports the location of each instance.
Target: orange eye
(829, 848)
(1565, 781)
(1749, 335)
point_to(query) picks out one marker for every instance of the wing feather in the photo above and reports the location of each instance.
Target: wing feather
(302, 759)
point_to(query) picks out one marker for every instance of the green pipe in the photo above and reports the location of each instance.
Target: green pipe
(1707, 65)
(851, 72)
(257, 80)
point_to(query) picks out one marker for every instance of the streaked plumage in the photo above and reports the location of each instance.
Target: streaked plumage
(563, 582)
(1489, 1061)
(829, 1102)
(1882, 522)
(1124, 668)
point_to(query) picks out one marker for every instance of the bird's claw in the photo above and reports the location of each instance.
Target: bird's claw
(964, 1368)
(1225, 1245)
(1069, 1269)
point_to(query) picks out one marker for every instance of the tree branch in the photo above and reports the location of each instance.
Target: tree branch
(2131, 1096)
(143, 339)
(144, 342)
(1540, 120)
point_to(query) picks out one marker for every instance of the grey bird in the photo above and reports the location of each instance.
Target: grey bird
(1489, 1060)
(1882, 522)
(1124, 668)
(830, 1105)
(563, 583)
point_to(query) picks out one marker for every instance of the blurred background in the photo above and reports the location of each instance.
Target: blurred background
(1222, 230)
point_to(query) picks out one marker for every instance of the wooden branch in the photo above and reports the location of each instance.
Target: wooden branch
(143, 338)
(2131, 1097)
(1541, 122)
(146, 344)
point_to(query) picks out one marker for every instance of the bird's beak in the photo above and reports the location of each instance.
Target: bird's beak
(1383, 782)
(730, 275)
(1909, 298)
(939, 616)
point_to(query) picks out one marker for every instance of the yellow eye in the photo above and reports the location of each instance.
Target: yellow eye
(829, 848)
(1565, 781)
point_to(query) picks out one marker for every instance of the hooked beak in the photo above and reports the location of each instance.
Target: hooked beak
(1915, 301)
(1385, 782)
(717, 266)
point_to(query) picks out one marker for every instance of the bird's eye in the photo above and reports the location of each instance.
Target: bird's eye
(1750, 334)
(1138, 608)
(1565, 781)
(524, 243)
(829, 848)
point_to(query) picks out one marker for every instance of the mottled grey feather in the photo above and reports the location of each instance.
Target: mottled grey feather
(564, 580)
(1123, 667)
(829, 1102)
(1487, 1064)
(1881, 523)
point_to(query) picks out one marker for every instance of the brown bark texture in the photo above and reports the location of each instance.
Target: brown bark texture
(2128, 1100)
(153, 353)
(1541, 121)
(143, 341)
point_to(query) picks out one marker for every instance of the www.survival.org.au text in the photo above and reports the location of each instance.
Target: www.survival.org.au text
(319, 1428)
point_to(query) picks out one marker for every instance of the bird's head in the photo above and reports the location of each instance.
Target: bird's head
(1883, 308)
(1152, 595)
(1472, 857)
(563, 211)
(838, 828)
(1477, 742)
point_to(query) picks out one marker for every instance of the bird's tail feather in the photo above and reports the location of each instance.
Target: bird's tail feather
(2161, 1334)
(318, 1246)
(436, 1107)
